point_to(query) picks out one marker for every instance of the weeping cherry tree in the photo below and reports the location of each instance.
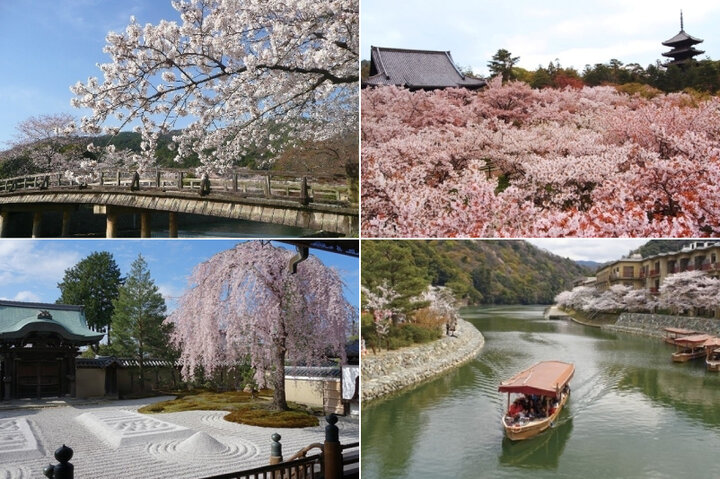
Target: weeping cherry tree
(246, 302)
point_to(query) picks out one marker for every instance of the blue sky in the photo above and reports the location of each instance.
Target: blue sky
(575, 32)
(48, 45)
(31, 269)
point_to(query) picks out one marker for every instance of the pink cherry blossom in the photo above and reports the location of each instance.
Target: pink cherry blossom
(245, 302)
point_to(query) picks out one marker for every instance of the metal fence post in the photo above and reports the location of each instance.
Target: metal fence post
(332, 452)
(63, 470)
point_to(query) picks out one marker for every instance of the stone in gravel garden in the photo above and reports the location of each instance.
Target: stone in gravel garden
(17, 440)
(123, 428)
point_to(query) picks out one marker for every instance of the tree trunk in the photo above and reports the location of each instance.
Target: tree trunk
(279, 401)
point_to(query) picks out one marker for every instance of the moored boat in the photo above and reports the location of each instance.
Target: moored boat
(545, 385)
(673, 334)
(712, 354)
(690, 347)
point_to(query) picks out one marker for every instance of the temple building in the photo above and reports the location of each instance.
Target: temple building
(417, 70)
(683, 47)
(38, 346)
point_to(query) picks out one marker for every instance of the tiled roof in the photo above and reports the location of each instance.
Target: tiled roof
(17, 320)
(416, 69)
(682, 37)
(313, 371)
(102, 362)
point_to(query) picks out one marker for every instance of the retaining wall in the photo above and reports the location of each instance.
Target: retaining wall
(392, 371)
(653, 324)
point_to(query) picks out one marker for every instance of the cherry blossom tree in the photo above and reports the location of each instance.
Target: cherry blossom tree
(236, 68)
(689, 291)
(48, 143)
(575, 162)
(379, 301)
(246, 302)
(578, 298)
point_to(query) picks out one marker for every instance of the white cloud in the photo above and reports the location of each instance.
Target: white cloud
(600, 250)
(27, 261)
(576, 33)
(25, 296)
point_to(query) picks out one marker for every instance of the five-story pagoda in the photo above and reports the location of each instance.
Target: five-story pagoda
(683, 47)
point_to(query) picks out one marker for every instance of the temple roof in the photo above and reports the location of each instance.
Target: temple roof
(18, 320)
(682, 37)
(683, 52)
(417, 69)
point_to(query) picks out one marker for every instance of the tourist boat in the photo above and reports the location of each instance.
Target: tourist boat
(673, 334)
(549, 381)
(712, 354)
(690, 347)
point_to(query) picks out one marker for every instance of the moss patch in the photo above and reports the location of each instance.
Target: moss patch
(243, 408)
(268, 418)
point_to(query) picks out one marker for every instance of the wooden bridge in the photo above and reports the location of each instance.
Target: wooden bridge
(318, 203)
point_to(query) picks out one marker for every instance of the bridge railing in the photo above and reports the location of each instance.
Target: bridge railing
(295, 186)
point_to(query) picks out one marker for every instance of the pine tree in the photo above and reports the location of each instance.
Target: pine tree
(93, 283)
(502, 63)
(138, 328)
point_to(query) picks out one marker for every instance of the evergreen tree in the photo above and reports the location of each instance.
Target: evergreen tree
(138, 328)
(502, 63)
(93, 283)
(392, 263)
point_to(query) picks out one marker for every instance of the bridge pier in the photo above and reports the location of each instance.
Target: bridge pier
(37, 224)
(172, 225)
(4, 223)
(111, 225)
(65, 231)
(145, 224)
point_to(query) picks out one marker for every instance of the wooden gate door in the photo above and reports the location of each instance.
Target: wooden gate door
(38, 379)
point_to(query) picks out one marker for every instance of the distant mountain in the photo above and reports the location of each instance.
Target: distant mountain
(591, 265)
(482, 271)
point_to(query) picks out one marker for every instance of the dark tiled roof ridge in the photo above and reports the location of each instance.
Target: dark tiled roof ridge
(409, 50)
(21, 304)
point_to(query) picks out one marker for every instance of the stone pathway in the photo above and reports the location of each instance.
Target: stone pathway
(112, 440)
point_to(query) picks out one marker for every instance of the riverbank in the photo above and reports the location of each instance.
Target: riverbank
(647, 324)
(390, 371)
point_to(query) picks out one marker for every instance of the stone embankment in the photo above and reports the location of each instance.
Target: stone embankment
(654, 324)
(390, 371)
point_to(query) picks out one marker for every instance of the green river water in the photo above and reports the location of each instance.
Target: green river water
(632, 412)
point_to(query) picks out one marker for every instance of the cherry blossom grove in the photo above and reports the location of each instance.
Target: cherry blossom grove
(575, 162)
(245, 302)
(236, 68)
(683, 292)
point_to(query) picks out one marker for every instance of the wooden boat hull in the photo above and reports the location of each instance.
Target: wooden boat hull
(535, 427)
(681, 357)
(712, 364)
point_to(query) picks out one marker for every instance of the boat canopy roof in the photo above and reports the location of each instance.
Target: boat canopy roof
(695, 339)
(713, 342)
(679, 331)
(546, 378)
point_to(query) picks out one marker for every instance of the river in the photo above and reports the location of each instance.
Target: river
(632, 412)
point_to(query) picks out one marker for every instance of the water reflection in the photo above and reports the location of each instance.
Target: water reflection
(632, 413)
(541, 452)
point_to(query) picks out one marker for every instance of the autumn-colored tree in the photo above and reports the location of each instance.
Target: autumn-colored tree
(246, 302)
